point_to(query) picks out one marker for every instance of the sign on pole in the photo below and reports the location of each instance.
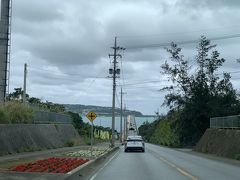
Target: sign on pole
(91, 116)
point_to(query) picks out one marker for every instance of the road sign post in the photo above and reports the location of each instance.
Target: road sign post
(91, 116)
(91, 138)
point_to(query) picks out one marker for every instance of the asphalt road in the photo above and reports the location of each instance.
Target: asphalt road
(159, 163)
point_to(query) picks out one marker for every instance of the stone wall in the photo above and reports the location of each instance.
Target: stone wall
(221, 142)
(30, 137)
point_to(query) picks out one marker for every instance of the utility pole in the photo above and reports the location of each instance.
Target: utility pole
(125, 123)
(121, 118)
(114, 72)
(121, 129)
(25, 84)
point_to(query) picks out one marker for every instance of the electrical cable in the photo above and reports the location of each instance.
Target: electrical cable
(119, 104)
(177, 33)
(181, 42)
(59, 73)
(146, 82)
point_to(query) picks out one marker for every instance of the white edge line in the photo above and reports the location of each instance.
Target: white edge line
(95, 175)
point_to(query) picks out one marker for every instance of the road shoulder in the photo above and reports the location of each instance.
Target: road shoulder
(204, 155)
(214, 157)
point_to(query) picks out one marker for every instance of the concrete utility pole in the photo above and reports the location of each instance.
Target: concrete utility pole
(25, 84)
(114, 72)
(125, 123)
(121, 118)
(121, 129)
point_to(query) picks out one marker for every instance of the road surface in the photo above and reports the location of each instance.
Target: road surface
(159, 163)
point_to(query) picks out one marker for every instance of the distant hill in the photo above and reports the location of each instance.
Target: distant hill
(99, 110)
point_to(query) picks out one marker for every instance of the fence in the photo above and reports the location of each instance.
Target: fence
(227, 122)
(44, 117)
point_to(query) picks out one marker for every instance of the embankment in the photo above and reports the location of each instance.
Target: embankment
(16, 138)
(221, 142)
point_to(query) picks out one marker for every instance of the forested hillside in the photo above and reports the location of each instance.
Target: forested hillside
(99, 110)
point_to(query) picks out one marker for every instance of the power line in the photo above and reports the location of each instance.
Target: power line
(231, 72)
(146, 82)
(118, 100)
(144, 87)
(181, 42)
(234, 78)
(91, 83)
(71, 76)
(61, 74)
(122, 77)
(177, 33)
(234, 72)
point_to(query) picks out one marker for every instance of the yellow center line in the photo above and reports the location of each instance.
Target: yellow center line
(183, 172)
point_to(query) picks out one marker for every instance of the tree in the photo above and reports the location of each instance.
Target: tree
(146, 129)
(200, 95)
(33, 100)
(17, 95)
(178, 74)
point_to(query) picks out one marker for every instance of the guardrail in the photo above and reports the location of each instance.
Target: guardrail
(227, 122)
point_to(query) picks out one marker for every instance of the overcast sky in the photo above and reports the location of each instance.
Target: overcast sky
(66, 45)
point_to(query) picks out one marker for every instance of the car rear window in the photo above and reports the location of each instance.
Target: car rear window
(131, 140)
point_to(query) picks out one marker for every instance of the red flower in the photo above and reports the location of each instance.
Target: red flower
(53, 165)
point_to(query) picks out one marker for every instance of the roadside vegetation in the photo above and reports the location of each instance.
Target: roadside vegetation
(101, 134)
(194, 96)
(15, 112)
(34, 102)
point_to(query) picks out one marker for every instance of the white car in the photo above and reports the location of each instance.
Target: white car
(134, 143)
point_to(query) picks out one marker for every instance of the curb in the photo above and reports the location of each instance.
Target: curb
(80, 167)
(91, 162)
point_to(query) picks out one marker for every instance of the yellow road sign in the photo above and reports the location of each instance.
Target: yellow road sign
(91, 116)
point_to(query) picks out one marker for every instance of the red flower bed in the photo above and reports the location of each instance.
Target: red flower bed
(51, 165)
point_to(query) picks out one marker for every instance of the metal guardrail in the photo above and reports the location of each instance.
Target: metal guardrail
(227, 122)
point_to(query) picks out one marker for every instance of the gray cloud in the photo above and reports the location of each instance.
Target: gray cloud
(210, 4)
(37, 11)
(66, 45)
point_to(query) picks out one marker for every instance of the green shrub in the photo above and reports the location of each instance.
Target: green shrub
(70, 143)
(3, 153)
(165, 135)
(237, 157)
(3, 116)
(15, 112)
(87, 140)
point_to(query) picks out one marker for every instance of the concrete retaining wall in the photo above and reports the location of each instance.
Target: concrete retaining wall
(221, 142)
(41, 117)
(29, 137)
